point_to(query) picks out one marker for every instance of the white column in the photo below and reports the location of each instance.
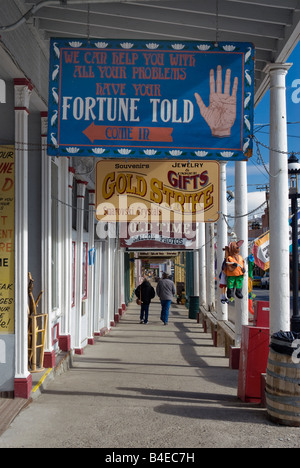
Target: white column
(66, 253)
(106, 284)
(202, 265)
(22, 95)
(222, 309)
(65, 341)
(98, 287)
(117, 296)
(241, 230)
(138, 271)
(46, 219)
(91, 268)
(102, 276)
(111, 281)
(210, 265)
(81, 187)
(119, 254)
(46, 244)
(279, 201)
(122, 278)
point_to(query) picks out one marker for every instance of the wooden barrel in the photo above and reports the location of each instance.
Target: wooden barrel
(283, 389)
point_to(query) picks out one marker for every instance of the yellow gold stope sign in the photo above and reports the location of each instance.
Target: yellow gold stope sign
(125, 190)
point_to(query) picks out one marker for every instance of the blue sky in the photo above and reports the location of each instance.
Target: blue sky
(257, 174)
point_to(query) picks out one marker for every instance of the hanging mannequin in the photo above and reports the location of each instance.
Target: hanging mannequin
(235, 269)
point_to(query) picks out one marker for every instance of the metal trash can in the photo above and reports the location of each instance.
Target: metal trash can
(193, 306)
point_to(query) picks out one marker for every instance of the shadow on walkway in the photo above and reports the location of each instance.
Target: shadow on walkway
(142, 386)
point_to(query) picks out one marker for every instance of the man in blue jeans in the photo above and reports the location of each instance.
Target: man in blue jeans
(145, 292)
(165, 291)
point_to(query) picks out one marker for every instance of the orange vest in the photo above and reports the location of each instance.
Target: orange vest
(238, 270)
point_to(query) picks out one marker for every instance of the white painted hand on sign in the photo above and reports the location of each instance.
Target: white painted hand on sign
(221, 112)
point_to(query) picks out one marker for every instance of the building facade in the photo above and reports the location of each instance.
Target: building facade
(49, 202)
(53, 236)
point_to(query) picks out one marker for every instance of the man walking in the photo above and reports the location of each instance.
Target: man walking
(165, 291)
(145, 292)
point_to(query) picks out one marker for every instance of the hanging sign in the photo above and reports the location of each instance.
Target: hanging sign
(261, 251)
(161, 236)
(179, 192)
(141, 99)
(7, 234)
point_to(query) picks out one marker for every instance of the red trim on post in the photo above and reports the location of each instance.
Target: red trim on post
(23, 82)
(82, 182)
(22, 108)
(49, 359)
(65, 343)
(23, 387)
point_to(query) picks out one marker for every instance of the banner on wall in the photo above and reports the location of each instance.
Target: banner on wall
(7, 233)
(141, 99)
(157, 192)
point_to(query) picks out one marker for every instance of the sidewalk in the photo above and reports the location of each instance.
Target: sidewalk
(147, 386)
(11, 407)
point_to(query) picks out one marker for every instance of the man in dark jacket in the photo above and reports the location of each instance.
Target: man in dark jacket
(145, 292)
(165, 291)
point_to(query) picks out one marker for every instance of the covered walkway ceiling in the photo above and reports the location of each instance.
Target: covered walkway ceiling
(272, 25)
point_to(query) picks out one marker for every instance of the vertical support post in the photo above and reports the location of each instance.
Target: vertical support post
(65, 254)
(23, 380)
(241, 230)
(122, 278)
(111, 280)
(106, 280)
(46, 224)
(117, 290)
(98, 287)
(202, 265)
(79, 258)
(46, 239)
(279, 201)
(210, 265)
(91, 268)
(222, 309)
(65, 334)
(295, 320)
